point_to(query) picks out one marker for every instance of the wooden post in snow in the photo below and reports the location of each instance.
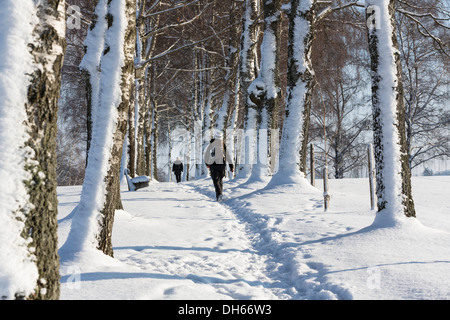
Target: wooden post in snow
(311, 161)
(371, 176)
(326, 195)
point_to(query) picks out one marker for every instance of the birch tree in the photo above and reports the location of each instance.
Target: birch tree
(303, 17)
(248, 71)
(265, 91)
(393, 174)
(140, 117)
(299, 85)
(32, 36)
(94, 216)
(90, 65)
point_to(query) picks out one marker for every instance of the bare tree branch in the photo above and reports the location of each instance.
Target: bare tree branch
(160, 30)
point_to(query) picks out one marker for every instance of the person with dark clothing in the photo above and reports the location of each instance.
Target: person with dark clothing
(216, 157)
(177, 168)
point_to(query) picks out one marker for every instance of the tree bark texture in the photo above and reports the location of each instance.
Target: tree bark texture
(112, 179)
(265, 91)
(247, 73)
(272, 103)
(90, 74)
(300, 82)
(42, 107)
(391, 154)
(131, 141)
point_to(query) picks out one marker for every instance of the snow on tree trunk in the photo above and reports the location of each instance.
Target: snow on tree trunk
(18, 271)
(265, 91)
(90, 65)
(247, 73)
(392, 168)
(32, 43)
(42, 110)
(93, 217)
(299, 85)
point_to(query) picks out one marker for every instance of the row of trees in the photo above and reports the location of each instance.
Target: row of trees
(213, 65)
(340, 122)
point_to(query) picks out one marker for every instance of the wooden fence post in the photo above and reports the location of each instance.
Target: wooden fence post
(311, 161)
(326, 195)
(371, 175)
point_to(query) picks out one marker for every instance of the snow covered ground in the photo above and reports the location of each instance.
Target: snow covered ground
(174, 241)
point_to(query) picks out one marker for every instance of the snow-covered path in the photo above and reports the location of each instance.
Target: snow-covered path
(279, 221)
(176, 243)
(196, 239)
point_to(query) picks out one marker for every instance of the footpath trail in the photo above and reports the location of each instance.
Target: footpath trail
(173, 242)
(178, 232)
(282, 222)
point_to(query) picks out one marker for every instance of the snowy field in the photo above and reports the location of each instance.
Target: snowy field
(173, 241)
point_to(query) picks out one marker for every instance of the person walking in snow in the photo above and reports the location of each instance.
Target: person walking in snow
(177, 169)
(216, 157)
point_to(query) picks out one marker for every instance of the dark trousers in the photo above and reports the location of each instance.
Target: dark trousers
(217, 174)
(178, 176)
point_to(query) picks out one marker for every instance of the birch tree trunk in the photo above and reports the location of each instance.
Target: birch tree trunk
(144, 48)
(393, 174)
(272, 99)
(132, 140)
(148, 131)
(42, 109)
(150, 144)
(247, 73)
(33, 36)
(15, 35)
(94, 216)
(155, 138)
(112, 179)
(90, 65)
(264, 91)
(300, 81)
(140, 132)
